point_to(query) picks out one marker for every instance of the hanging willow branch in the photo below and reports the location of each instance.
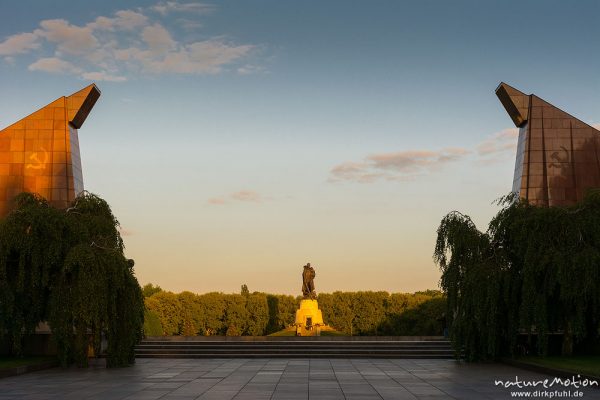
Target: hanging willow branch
(536, 270)
(50, 272)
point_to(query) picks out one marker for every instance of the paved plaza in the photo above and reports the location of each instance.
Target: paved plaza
(288, 379)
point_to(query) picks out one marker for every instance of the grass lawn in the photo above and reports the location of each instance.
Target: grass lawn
(12, 362)
(292, 332)
(284, 332)
(589, 365)
(332, 333)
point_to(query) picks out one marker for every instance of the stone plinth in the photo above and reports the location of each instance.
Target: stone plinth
(309, 318)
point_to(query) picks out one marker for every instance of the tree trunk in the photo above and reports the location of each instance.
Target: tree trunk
(567, 342)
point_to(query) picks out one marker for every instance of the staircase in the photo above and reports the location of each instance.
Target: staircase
(295, 347)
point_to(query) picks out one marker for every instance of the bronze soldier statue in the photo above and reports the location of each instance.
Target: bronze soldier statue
(308, 285)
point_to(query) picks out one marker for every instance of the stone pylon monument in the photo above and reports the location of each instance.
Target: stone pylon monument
(558, 155)
(40, 153)
(309, 319)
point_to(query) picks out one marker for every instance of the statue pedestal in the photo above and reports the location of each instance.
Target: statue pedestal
(309, 318)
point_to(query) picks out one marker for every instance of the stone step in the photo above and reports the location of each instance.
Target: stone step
(283, 349)
(288, 350)
(244, 348)
(321, 339)
(285, 355)
(303, 346)
(306, 353)
(297, 342)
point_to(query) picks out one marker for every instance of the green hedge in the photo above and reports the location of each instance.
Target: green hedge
(352, 313)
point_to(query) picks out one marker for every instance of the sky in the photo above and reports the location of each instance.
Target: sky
(237, 140)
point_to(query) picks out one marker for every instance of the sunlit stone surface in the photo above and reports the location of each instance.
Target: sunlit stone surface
(40, 153)
(558, 156)
(309, 318)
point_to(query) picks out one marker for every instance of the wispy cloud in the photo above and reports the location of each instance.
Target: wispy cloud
(54, 65)
(189, 24)
(123, 19)
(129, 42)
(69, 39)
(167, 7)
(250, 69)
(19, 44)
(217, 201)
(498, 147)
(248, 196)
(500, 142)
(398, 166)
(102, 76)
(410, 164)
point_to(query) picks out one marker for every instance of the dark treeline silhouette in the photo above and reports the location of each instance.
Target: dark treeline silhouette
(256, 314)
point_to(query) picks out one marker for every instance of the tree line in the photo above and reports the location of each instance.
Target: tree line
(256, 314)
(533, 276)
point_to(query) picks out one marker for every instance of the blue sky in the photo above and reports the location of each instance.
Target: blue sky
(236, 141)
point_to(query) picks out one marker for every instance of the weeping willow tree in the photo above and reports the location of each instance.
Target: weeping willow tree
(67, 267)
(31, 254)
(535, 271)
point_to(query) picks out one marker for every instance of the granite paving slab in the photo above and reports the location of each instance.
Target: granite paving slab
(286, 379)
